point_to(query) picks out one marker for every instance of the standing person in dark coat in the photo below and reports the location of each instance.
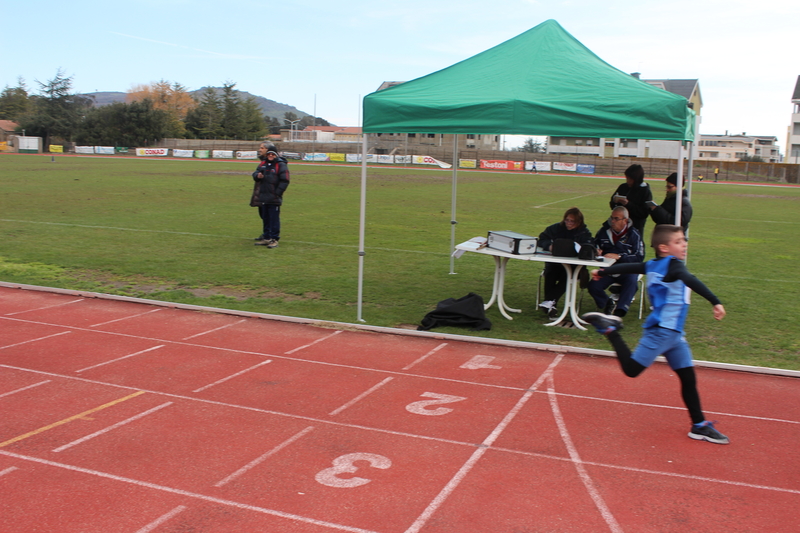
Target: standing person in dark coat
(665, 213)
(633, 195)
(555, 275)
(271, 180)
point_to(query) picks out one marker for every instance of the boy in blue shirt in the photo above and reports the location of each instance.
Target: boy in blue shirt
(668, 285)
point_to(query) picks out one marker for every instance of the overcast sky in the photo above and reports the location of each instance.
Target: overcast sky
(329, 55)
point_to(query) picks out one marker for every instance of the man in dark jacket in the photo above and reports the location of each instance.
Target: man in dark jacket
(271, 180)
(665, 213)
(573, 228)
(618, 240)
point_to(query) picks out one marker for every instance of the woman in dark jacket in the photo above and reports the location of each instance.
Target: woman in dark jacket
(555, 275)
(633, 194)
(271, 180)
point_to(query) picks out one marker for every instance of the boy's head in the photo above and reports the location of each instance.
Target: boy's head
(669, 240)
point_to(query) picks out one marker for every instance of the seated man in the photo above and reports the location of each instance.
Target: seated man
(619, 240)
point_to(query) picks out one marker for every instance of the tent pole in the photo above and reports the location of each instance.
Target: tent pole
(678, 203)
(453, 221)
(361, 224)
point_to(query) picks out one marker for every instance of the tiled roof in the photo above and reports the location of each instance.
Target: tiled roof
(684, 88)
(8, 125)
(796, 95)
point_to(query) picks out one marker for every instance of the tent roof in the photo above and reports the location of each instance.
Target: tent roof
(542, 82)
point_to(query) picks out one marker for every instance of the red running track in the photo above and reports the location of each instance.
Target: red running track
(124, 416)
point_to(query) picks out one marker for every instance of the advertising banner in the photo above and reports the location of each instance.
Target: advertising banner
(121, 149)
(501, 165)
(182, 153)
(84, 149)
(315, 157)
(336, 157)
(3, 146)
(386, 159)
(222, 154)
(467, 163)
(151, 151)
(402, 159)
(246, 155)
(291, 155)
(56, 149)
(353, 158)
(107, 150)
(570, 167)
(539, 166)
(202, 154)
(428, 160)
(586, 169)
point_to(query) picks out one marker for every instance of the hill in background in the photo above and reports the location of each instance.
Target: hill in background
(270, 108)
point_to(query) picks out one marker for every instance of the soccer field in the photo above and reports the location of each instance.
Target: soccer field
(183, 231)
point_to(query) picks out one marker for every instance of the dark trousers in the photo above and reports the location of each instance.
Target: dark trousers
(628, 282)
(631, 368)
(555, 281)
(271, 218)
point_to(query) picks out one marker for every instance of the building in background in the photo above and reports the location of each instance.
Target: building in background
(736, 147)
(793, 135)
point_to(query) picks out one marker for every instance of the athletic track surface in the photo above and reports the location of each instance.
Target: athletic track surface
(129, 416)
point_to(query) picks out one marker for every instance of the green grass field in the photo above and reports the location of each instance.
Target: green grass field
(182, 231)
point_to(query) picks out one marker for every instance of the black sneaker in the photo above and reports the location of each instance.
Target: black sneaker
(552, 313)
(261, 237)
(706, 431)
(603, 323)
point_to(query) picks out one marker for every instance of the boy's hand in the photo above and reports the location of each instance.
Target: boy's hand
(719, 312)
(596, 274)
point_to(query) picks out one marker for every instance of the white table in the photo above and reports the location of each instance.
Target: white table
(572, 265)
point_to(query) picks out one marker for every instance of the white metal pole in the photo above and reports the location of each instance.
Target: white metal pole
(362, 224)
(679, 193)
(453, 221)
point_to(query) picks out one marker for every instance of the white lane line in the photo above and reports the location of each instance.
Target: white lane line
(121, 358)
(112, 427)
(408, 367)
(45, 307)
(163, 518)
(440, 498)
(597, 498)
(34, 340)
(261, 459)
(213, 330)
(326, 337)
(186, 493)
(360, 397)
(125, 318)
(8, 470)
(223, 380)
(24, 388)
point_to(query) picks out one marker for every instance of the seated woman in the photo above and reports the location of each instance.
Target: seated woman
(555, 275)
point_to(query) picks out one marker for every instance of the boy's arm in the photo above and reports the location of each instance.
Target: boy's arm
(677, 270)
(620, 268)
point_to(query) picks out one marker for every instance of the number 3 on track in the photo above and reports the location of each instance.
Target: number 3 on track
(344, 465)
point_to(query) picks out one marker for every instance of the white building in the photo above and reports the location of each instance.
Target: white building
(793, 135)
(735, 147)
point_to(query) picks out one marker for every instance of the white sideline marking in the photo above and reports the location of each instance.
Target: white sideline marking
(259, 460)
(163, 518)
(121, 358)
(577, 462)
(223, 380)
(24, 388)
(408, 367)
(420, 522)
(112, 427)
(360, 396)
(45, 307)
(186, 493)
(213, 330)
(125, 318)
(8, 470)
(326, 337)
(34, 340)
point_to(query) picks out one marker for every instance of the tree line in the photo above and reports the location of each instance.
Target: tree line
(151, 112)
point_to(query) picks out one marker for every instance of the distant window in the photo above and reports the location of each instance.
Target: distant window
(578, 142)
(412, 135)
(470, 136)
(431, 136)
(796, 128)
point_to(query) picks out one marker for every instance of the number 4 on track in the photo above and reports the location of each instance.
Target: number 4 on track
(480, 361)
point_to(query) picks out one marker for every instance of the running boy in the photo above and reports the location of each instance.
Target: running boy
(668, 284)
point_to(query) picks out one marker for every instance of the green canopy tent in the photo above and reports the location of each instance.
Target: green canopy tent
(542, 82)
